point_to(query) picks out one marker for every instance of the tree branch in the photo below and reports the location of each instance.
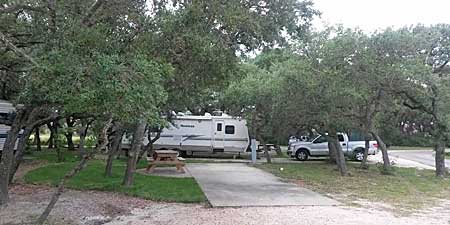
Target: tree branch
(17, 50)
(87, 19)
(15, 8)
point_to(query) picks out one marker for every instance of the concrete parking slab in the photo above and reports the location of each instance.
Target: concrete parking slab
(236, 184)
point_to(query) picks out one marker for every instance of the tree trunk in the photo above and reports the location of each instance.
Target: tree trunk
(83, 132)
(18, 156)
(102, 142)
(278, 150)
(332, 152)
(340, 158)
(266, 151)
(53, 127)
(69, 133)
(439, 149)
(382, 146)
(149, 147)
(37, 139)
(364, 164)
(60, 189)
(59, 155)
(8, 155)
(138, 138)
(115, 148)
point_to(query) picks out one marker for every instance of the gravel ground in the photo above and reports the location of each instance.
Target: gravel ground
(91, 207)
(179, 214)
(73, 207)
(397, 161)
(95, 208)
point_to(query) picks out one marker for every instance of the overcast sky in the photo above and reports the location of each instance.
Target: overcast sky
(370, 15)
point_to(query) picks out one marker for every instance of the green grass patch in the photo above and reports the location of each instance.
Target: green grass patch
(91, 178)
(406, 189)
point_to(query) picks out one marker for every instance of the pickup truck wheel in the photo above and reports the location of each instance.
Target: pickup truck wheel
(301, 155)
(182, 154)
(359, 155)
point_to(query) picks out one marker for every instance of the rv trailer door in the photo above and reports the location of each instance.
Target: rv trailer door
(219, 134)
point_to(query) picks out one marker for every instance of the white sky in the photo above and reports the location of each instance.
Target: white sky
(370, 15)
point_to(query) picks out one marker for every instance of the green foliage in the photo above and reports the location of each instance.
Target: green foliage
(343, 79)
(202, 39)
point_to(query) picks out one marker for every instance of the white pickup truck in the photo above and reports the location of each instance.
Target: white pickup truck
(319, 147)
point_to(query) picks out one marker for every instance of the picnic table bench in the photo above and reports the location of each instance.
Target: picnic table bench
(166, 157)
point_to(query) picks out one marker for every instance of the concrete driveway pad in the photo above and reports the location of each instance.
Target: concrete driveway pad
(236, 184)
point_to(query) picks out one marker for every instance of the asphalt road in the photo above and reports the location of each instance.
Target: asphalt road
(421, 156)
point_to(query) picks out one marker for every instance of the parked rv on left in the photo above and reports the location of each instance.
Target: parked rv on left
(7, 111)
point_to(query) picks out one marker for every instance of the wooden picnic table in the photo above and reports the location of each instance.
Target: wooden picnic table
(166, 157)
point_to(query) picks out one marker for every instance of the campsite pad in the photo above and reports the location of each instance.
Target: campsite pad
(165, 172)
(236, 184)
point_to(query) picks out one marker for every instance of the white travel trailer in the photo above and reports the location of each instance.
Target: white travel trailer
(206, 133)
(6, 110)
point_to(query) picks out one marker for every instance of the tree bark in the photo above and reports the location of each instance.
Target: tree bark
(31, 123)
(149, 147)
(115, 148)
(364, 164)
(83, 132)
(367, 138)
(340, 158)
(266, 152)
(439, 149)
(43, 217)
(332, 152)
(8, 155)
(69, 133)
(37, 139)
(18, 156)
(59, 155)
(382, 146)
(138, 137)
(278, 150)
(102, 142)
(53, 127)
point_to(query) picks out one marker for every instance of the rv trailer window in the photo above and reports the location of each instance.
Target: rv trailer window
(219, 127)
(229, 129)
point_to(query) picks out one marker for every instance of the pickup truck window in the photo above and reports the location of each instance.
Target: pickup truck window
(321, 139)
(341, 138)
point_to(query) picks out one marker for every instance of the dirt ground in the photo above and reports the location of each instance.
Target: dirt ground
(92, 207)
(95, 208)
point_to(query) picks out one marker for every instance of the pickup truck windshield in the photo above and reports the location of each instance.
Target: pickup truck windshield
(322, 139)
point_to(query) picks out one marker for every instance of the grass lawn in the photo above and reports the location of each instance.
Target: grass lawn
(91, 178)
(407, 189)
